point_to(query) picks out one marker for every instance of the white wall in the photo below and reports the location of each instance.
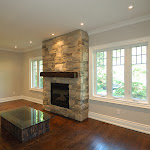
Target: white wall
(128, 113)
(10, 79)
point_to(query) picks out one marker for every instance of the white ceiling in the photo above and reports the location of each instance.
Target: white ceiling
(35, 20)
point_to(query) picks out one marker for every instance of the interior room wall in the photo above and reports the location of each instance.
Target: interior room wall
(10, 79)
(134, 114)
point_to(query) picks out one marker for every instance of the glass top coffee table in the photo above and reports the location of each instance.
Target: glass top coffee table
(25, 123)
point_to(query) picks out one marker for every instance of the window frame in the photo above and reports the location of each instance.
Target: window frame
(127, 100)
(38, 89)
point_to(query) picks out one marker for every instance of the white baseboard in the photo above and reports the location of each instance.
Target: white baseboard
(7, 99)
(35, 100)
(120, 122)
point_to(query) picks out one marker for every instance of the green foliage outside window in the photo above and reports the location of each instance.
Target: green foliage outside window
(138, 90)
(119, 91)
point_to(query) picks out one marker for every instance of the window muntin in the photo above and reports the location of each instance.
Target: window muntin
(118, 73)
(101, 70)
(139, 72)
(36, 68)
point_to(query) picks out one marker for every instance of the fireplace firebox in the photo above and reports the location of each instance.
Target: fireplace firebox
(60, 94)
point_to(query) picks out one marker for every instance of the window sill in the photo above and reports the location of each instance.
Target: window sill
(118, 101)
(36, 89)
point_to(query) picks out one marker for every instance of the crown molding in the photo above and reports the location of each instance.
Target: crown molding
(22, 51)
(11, 50)
(121, 24)
(32, 49)
(124, 43)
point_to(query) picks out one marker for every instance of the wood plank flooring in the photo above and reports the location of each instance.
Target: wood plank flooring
(67, 134)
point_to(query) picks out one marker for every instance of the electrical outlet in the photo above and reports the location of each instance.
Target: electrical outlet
(118, 111)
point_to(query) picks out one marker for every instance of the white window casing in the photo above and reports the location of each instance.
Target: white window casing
(31, 76)
(127, 99)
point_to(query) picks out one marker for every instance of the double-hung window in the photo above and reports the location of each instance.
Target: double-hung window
(121, 73)
(118, 73)
(36, 81)
(101, 73)
(139, 74)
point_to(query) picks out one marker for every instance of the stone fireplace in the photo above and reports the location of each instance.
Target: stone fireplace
(65, 72)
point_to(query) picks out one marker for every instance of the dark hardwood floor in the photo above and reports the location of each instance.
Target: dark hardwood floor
(67, 134)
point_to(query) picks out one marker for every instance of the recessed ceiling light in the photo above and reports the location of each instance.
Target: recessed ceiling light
(15, 46)
(53, 34)
(30, 42)
(82, 23)
(130, 7)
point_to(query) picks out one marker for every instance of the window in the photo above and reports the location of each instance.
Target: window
(139, 72)
(101, 73)
(40, 70)
(121, 73)
(36, 66)
(118, 73)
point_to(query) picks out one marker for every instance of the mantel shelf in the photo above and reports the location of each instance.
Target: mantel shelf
(60, 74)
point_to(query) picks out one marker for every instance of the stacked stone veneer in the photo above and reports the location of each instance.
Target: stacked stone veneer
(68, 53)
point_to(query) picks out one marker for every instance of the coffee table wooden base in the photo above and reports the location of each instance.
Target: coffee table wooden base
(27, 133)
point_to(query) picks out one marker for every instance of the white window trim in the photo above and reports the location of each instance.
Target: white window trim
(109, 98)
(30, 74)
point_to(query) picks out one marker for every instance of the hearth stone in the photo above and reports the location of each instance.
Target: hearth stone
(68, 53)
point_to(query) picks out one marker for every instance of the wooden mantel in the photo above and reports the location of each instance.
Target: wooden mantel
(60, 74)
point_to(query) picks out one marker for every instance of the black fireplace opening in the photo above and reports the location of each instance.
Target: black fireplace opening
(60, 94)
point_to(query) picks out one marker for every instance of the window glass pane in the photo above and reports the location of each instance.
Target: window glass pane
(40, 70)
(118, 76)
(34, 74)
(114, 61)
(104, 62)
(101, 73)
(139, 59)
(139, 77)
(118, 53)
(114, 53)
(122, 60)
(133, 59)
(122, 52)
(41, 65)
(133, 51)
(138, 50)
(143, 49)
(104, 55)
(118, 60)
(143, 59)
